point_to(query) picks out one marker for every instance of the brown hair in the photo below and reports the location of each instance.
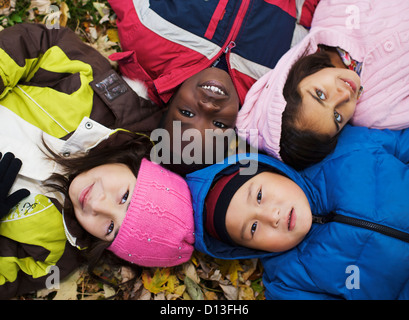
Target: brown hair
(122, 147)
(301, 148)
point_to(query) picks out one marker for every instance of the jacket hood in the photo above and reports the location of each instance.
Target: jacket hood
(265, 103)
(201, 181)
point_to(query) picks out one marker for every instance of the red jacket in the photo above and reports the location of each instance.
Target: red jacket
(164, 42)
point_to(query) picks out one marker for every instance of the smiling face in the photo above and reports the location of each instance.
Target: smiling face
(329, 99)
(269, 212)
(207, 100)
(101, 197)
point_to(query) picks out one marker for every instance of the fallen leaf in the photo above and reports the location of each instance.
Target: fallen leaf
(233, 271)
(113, 35)
(230, 292)
(68, 287)
(155, 284)
(194, 290)
(246, 293)
(210, 295)
(191, 272)
(65, 14)
(108, 291)
(251, 267)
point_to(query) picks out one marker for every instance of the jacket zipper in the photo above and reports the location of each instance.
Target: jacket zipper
(234, 31)
(388, 231)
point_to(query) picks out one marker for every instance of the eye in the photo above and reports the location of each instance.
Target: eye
(253, 228)
(338, 117)
(259, 196)
(186, 113)
(220, 125)
(125, 197)
(110, 228)
(320, 94)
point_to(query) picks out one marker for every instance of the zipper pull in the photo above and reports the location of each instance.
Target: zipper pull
(216, 62)
(230, 46)
(324, 219)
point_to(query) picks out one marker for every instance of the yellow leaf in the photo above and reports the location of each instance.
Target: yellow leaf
(194, 261)
(246, 293)
(172, 283)
(155, 284)
(224, 266)
(234, 269)
(113, 35)
(252, 266)
(179, 290)
(65, 14)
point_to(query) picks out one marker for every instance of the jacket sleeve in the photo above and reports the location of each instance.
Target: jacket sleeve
(20, 48)
(32, 239)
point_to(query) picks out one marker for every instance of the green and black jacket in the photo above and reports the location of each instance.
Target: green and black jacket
(57, 88)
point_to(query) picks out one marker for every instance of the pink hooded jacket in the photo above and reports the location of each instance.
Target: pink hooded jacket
(373, 32)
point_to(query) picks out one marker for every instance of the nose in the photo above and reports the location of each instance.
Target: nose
(101, 206)
(207, 104)
(272, 217)
(341, 95)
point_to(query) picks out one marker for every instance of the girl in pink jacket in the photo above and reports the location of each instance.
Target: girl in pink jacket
(353, 67)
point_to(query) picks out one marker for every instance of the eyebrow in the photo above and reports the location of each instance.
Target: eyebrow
(323, 104)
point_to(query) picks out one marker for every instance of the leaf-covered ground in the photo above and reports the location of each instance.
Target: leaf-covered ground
(202, 277)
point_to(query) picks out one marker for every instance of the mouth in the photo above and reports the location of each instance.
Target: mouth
(83, 197)
(214, 88)
(350, 84)
(291, 219)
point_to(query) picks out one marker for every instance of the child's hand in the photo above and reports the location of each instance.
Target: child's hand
(9, 168)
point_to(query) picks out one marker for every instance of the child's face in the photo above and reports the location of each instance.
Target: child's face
(101, 197)
(329, 98)
(207, 100)
(269, 212)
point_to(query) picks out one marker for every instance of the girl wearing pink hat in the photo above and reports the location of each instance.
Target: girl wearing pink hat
(113, 198)
(316, 88)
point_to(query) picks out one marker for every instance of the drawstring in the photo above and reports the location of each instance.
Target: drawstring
(59, 124)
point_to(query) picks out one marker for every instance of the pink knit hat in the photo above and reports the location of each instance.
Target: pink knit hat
(158, 229)
(264, 104)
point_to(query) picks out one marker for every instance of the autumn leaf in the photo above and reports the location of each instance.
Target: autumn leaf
(230, 292)
(193, 289)
(113, 35)
(156, 283)
(246, 293)
(231, 268)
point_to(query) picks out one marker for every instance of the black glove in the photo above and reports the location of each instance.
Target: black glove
(9, 168)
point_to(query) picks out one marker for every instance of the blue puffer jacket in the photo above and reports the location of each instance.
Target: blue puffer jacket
(367, 178)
